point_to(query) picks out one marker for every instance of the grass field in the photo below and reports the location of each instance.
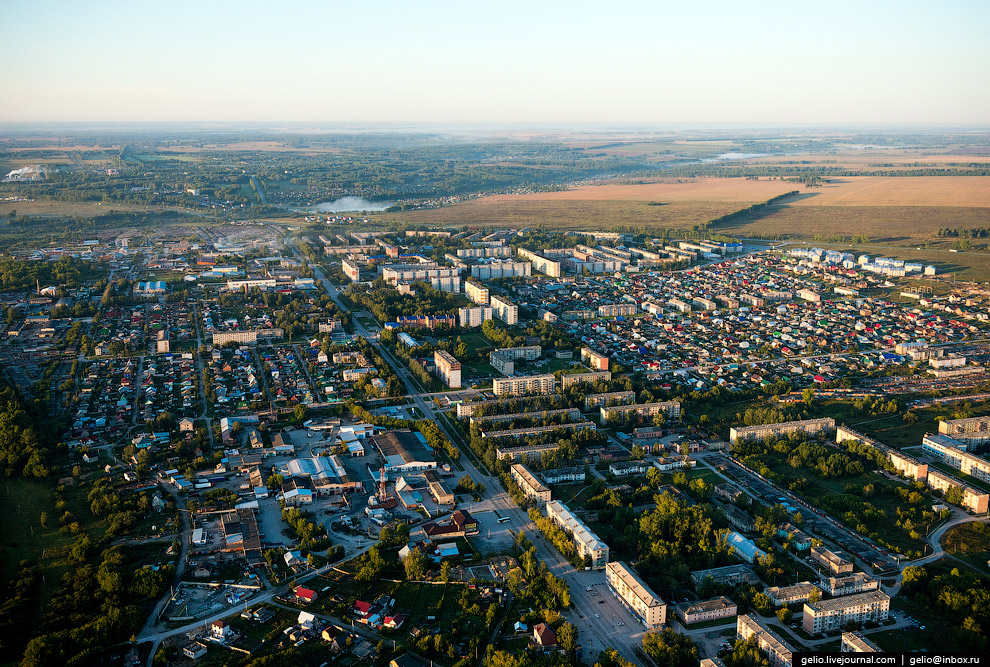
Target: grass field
(952, 191)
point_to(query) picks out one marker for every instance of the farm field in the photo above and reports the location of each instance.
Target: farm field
(953, 191)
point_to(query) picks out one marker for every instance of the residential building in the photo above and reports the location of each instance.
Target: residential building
(834, 562)
(519, 386)
(858, 582)
(670, 409)
(729, 575)
(592, 401)
(706, 610)
(474, 317)
(589, 545)
(792, 595)
(525, 452)
(595, 361)
(540, 263)
(973, 430)
(904, 464)
(645, 605)
(536, 430)
(448, 368)
(853, 642)
(826, 615)
(351, 269)
(626, 468)
(572, 414)
(563, 475)
(813, 427)
(505, 310)
(778, 652)
(953, 453)
(476, 292)
(570, 379)
(972, 499)
(530, 485)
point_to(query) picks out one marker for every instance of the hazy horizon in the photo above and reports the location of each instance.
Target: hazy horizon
(887, 64)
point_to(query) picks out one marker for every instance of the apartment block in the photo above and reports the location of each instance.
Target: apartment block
(645, 605)
(474, 317)
(563, 475)
(595, 361)
(953, 453)
(350, 269)
(448, 368)
(525, 452)
(588, 544)
(528, 384)
(826, 615)
(671, 409)
(571, 379)
(542, 264)
(778, 652)
(973, 499)
(537, 430)
(836, 563)
(572, 414)
(791, 595)
(858, 582)
(476, 292)
(853, 642)
(812, 427)
(973, 430)
(502, 269)
(706, 610)
(505, 310)
(530, 485)
(592, 401)
(904, 464)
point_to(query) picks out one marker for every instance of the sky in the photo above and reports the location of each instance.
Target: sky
(377, 61)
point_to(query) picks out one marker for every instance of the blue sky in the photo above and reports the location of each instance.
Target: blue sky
(650, 63)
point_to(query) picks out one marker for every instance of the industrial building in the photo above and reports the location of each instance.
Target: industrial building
(645, 605)
(826, 615)
(588, 544)
(404, 451)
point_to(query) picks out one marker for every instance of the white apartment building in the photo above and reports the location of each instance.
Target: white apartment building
(448, 368)
(645, 605)
(476, 292)
(527, 384)
(474, 317)
(779, 653)
(826, 615)
(588, 544)
(505, 310)
(530, 485)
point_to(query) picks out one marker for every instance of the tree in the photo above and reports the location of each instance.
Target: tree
(566, 637)
(670, 649)
(808, 396)
(784, 614)
(416, 564)
(299, 412)
(275, 481)
(445, 571)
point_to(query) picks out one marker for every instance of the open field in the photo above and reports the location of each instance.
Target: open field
(953, 191)
(802, 219)
(78, 209)
(667, 190)
(573, 214)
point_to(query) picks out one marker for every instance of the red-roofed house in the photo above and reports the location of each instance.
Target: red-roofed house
(305, 594)
(545, 636)
(362, 608)
(394, 622)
